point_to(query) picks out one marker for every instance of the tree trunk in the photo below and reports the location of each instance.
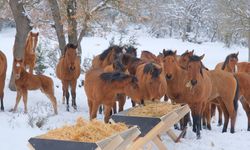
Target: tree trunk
(22, 29)
(58, 24)
(72, 24)
(249, 44)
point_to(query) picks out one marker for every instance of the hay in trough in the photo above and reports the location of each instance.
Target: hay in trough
(152, 109)
(85, 131)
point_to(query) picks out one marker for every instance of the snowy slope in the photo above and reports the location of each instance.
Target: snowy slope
(19, 127)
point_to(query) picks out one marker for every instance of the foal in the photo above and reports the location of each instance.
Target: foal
(3, 68)
(29, 52)
(68, 71)
(25, 81)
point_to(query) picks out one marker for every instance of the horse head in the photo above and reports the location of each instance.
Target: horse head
(231, 61)
(131, 50)
(70, 56)
(184, 58)
(170, 63)
(18, 67)
(194, 69)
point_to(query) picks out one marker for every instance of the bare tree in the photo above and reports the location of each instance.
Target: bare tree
(22, 29)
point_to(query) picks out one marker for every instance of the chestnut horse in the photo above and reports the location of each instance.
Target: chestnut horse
(102, 87)
(181, 84)
(148, 56)
(68, 71)
(29, 51)
(3, 68)
(25, 81)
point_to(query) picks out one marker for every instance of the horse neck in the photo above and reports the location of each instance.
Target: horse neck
(31, 44)
(228, 69)
(23, 74)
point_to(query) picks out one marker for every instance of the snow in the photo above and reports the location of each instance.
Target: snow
(19, 127)
(35, 30)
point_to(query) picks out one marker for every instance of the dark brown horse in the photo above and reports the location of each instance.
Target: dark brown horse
(3, 69)
(68, 71)
(101, 88)
(29, 52)
(181, 83)
(25, 81)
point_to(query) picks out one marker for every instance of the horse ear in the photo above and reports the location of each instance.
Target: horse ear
(163, 51)
(175, 52)
(237, 53)
(192, 52)
(202, 56)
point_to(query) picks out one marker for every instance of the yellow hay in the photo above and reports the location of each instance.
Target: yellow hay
(84, 131)
(152, 109)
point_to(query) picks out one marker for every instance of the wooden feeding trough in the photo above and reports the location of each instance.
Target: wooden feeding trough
(119, 141)
(152, 127)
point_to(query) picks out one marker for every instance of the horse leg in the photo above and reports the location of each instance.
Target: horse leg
(196, 109)
(100, 109)
(94, 110)
(90, 107)
(165, 98)
(220, 115)
(54, 103)
(213, 109)
(73, 93)
(208, 117)
(114, 108)
(65, 90)
(18, 98)
(247, 110)
(226, 116)
(133, 103)
(232, 114)
(107, 110)
(25, 99)
(1, 97)
(121, 102)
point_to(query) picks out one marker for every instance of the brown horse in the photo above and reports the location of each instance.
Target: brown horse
(25, 81)
(150, 57)
(3, 68)
(101, 88)
(184, 58)
(181, 86)
(29, 51)
(68, 71)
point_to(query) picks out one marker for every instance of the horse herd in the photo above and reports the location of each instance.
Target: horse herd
(117, 72)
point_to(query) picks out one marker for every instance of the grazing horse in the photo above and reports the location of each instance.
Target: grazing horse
(3, 68)
(180, 87)
(25, 81)
(107, 57)
(102, 87)
(68, 71)
(29, 51)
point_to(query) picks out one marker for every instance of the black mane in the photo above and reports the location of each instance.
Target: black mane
(105, 53)
(151, 68)
(168, 53)
(131, 50)
(70, 45)
(114, 76)
(129, 59)
(194, 58)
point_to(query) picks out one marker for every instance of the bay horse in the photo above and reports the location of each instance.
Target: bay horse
(3, 69)
(102, 87)
(29, 51)
(150, 57)
(68, 71)
(184, 58)
(180, 87)
(25, 81)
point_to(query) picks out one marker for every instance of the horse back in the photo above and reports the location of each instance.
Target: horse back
(243, 67)
(148, 56)
(219, 66)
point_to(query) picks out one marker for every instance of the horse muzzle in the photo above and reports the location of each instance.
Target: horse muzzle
(193, 82)
(17, 76)
(71, 69)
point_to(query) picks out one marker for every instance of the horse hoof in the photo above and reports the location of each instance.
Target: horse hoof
(204, 127)
(2, 108)
(232, 131)
(224, 130)
(209, 128)
(198, 137)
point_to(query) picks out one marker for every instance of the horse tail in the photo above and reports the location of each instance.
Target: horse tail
(236, 96)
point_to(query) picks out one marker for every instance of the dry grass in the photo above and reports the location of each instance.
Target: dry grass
(85, 131)
(152, 109)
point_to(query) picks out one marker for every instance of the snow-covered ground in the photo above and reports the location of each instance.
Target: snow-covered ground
(17, 128)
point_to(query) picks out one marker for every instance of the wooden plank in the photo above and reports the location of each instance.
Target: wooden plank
(129, 138)
(113, 144)
(172, 135)
(154, 132)
(159, 143)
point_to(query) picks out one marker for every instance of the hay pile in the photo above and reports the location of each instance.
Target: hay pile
(84, 131)
(152, 109)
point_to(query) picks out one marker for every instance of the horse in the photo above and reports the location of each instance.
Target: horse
(29, 51)
(180, 87)
(3, 69)
(131, 50)
(102, 87)
(229, 63)
(151, 81)
(68, 71)
(184, 58)
(25, 81)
